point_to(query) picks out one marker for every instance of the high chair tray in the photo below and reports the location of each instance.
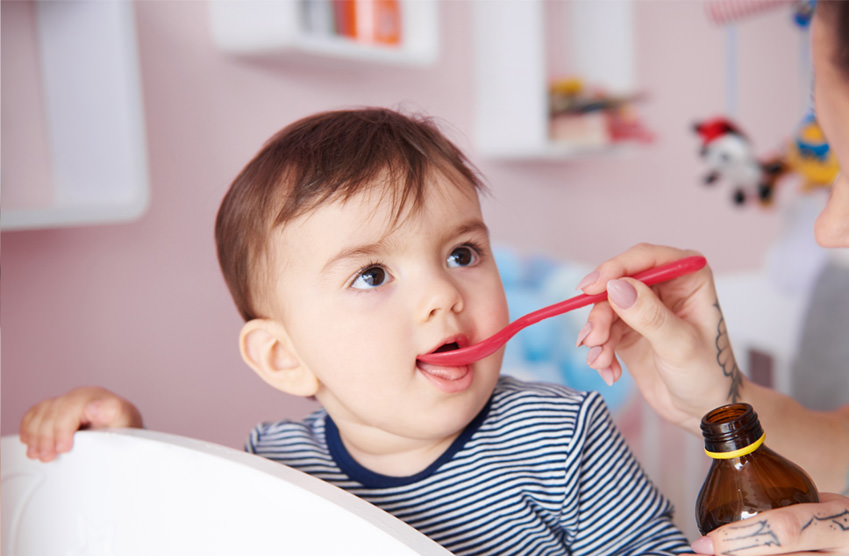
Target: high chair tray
(139, 492)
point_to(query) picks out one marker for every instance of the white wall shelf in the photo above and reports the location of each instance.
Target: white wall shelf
(275, 28)
(93, 110)
(511, 71)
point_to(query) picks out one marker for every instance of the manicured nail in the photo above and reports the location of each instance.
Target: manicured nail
(585, 331)
(703, 545)
(593, 354)
(588, 279)
(607, 376)
(622, 293)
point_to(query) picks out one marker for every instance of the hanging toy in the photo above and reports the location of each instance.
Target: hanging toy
(730, 158)
(809, 156)
(803, 12)
(722, 12)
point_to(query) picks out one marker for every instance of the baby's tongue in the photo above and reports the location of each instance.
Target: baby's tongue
(450, 380)
(442, 371)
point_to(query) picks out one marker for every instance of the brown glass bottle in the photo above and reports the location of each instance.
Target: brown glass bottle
(745, 477)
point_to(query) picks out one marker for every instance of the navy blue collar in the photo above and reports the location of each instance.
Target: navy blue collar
(370, 479)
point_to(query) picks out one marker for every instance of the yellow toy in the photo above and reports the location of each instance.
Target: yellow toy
(810, 157)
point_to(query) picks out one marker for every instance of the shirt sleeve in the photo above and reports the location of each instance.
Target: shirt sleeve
(618, 509)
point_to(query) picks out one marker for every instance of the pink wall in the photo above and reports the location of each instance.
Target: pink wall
(140, 307)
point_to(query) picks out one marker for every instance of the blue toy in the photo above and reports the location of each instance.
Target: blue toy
(546, 351)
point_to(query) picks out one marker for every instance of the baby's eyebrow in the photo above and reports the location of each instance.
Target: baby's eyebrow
(355, 252)
(476, 226)
(373, 249)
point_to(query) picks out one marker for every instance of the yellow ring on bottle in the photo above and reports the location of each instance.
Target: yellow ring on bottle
(738, 453)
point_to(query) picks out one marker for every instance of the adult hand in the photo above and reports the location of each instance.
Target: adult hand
(48, 427)
(797, 529)
(670, 336)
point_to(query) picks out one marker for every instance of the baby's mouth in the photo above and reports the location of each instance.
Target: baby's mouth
(449, 379)
(451, 346)
(450, 343)
(447, 346)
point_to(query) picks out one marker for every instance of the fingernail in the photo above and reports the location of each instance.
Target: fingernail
(588, 279)
(621, 293)
(585, 331)
(593, 354)
(703, 545)
(607, 376)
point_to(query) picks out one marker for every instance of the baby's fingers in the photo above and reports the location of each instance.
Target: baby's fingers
(48, 427)
(38, 431)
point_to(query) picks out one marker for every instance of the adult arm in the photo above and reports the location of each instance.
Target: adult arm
(672, 339)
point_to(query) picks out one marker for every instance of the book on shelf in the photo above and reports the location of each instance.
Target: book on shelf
(368, 21)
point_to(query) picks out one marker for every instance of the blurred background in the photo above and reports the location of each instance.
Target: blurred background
(124, 122)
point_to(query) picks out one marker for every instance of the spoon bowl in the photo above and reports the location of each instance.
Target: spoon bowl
(476, 352)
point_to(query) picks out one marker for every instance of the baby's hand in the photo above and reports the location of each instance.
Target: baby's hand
(48, 427)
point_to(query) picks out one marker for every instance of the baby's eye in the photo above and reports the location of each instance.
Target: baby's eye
(370, 277)
(464, 255)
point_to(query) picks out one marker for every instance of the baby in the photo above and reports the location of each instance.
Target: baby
(353, 243)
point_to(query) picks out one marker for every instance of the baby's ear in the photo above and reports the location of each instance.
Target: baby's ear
(267, 349)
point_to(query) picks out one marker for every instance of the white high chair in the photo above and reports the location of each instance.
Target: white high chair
(139, 492)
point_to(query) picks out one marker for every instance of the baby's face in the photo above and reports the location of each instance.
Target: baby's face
(361, 299)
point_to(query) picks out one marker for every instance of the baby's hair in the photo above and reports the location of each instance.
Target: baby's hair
(323, 158)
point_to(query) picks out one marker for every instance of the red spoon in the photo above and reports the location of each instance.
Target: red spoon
(470, 354)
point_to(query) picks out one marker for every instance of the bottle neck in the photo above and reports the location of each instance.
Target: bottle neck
(731, 431)
(744, 451)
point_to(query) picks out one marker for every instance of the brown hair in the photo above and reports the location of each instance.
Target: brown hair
(326, 157)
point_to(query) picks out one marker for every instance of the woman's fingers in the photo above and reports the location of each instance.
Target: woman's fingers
(789, 530)
(643, 311)
(636, 259)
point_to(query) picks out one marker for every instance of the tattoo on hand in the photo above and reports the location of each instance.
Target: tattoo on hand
(834, 521)
(753, 535)
(759, 533)
(725, 358)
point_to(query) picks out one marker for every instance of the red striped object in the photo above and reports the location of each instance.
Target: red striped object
(730, 11)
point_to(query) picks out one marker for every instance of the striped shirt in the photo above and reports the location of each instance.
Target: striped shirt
(541, 470)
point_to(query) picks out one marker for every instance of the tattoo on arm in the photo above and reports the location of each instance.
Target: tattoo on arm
(725, 358)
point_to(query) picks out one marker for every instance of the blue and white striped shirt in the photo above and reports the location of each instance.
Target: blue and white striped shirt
(541, 470)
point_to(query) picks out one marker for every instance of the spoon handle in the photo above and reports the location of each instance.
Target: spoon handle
(470, 354)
